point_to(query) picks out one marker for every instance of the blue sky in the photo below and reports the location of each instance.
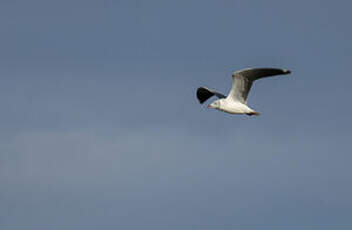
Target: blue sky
(100, 127)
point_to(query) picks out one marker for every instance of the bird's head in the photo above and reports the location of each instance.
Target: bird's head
(215, 105)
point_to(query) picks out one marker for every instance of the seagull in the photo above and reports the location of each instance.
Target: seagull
(236, 101)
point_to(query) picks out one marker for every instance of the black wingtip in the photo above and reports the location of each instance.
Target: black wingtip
(286, 71)
(203, 94)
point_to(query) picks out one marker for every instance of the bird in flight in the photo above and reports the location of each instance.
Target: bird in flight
(236, 101)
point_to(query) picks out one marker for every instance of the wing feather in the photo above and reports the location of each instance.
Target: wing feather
(242, 81)
(204, 94)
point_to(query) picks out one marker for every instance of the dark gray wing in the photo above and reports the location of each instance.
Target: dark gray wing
(242, 81)
(204, 94)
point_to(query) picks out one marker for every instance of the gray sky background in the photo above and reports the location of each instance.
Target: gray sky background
(100, 128)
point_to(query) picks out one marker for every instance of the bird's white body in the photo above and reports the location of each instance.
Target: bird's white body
(234, 107)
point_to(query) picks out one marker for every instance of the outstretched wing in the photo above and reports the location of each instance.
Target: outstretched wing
(242, 81)
(204, 94)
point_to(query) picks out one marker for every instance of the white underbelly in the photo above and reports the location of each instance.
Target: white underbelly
(237, 108)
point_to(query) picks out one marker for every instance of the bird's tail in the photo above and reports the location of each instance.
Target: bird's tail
(253, 113)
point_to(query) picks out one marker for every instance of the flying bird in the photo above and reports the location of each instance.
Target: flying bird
(236, 101)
